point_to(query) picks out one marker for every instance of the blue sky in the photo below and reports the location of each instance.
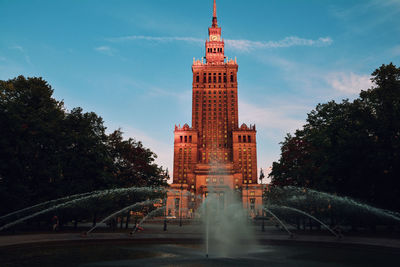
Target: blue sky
(130, 61)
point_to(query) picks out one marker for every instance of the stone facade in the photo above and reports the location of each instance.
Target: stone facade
(215, 154)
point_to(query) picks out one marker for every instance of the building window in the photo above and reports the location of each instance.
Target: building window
(176, 207)
(181, 140)
(190, 138)
(185, 139)
(249, 138)
(252, 203)
(239, 138)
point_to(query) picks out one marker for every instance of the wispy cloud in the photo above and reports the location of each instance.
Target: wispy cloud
(106, 50)
(247, 45)
(394, 5)
(358, 15)
(183, 96)
(238, 45)
(156, 39)
(396, 50)
(273, 122)
(18, 47)
(276, 120)
(22, 51)
(348, 83)
(319, 84)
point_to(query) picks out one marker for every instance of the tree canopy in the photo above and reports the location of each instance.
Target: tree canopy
(48, 152)
(349, 148)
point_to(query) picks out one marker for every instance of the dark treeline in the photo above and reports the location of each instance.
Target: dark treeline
(350, 148)
(47, 152)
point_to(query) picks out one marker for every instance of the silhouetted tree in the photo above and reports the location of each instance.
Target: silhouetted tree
(349, 148)
(47, 152)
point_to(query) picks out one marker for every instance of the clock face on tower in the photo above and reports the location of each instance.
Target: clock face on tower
(214, 38)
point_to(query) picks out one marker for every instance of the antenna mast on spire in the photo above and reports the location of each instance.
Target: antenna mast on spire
(214, 19)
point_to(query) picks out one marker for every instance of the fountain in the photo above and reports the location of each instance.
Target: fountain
(44, 204)
(127, 208)
(76, 200)
(328, 207)
(279, 221)
(151, 214)
(308, 215)
(228, 232)
(229, 235)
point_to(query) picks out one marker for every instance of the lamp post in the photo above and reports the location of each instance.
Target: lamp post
(247, 189)
(166, 203)
(262, 199)
(165, 215)
(180, 208)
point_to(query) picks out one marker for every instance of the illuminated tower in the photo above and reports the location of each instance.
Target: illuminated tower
(215, 152)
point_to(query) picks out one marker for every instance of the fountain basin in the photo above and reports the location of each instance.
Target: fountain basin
(180, 248)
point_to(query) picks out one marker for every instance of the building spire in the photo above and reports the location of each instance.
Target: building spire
(214, 19)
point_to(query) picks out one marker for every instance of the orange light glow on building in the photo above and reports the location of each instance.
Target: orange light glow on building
(215, 154)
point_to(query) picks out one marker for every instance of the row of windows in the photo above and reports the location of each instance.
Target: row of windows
(211, 99)
(221, 103)
(221, 181)
(244, 139)
(214, 73)
(215, 92)
(215, 111)
(213, 159)
(185, 149)
(213, 79)
(214, 180)
(185, 139)
(215, 50)
(244, 158)
(219, 86)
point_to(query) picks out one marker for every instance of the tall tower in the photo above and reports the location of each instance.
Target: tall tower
(215, 154)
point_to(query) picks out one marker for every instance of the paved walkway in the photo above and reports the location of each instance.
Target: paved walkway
(193, 233)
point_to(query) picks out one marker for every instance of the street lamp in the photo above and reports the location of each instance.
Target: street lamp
(262, 199)
(166, 203)
(247, 189)
(180, 209)
(165, 215)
